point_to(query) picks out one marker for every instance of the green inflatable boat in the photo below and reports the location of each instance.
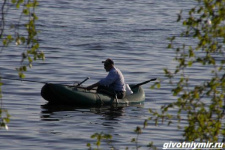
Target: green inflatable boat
(56, 93)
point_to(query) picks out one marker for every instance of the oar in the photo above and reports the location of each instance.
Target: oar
(78, 85)
(139, 84)
(83, 81)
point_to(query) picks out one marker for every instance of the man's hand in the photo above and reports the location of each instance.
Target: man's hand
(89, 88)
(92, 86)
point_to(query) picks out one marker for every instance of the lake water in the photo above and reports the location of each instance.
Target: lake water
(76, 36)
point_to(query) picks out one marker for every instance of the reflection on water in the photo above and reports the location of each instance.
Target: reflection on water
(77, 123)
(108, 112)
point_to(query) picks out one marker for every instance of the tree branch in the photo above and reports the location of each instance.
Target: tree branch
(2, 18)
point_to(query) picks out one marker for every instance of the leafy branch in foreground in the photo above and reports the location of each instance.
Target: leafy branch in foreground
(202, 99)
(138, 131)
(100, 136)
(21, 31)
(107, 137)
(4, 115)
(18, 32)
(5, 118)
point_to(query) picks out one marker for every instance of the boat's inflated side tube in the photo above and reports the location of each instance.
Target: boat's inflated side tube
(45, 92)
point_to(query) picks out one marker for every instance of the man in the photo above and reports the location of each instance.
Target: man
(113, 83)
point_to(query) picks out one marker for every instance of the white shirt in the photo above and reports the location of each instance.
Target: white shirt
(114, 80)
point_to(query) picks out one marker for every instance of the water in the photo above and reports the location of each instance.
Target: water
(76, 36)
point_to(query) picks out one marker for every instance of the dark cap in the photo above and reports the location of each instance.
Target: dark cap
(108, 61)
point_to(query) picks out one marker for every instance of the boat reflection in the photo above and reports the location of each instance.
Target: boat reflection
(112, 112)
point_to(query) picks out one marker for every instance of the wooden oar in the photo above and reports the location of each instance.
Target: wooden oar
(139, 84)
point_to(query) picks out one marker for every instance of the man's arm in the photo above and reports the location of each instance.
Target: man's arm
(92, 86)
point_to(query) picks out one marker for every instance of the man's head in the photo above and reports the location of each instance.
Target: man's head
(108, 64)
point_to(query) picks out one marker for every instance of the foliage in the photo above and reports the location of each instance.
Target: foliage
(20, 32)
(100, 136)
(202, 102)
(5, 118)
(107, 137)
(138, 131)
(4, 115)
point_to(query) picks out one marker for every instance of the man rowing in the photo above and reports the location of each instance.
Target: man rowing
(113, 83)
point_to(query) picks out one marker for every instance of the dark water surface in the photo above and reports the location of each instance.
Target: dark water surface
(76, 36)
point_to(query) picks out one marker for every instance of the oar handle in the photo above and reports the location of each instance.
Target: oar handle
(139, 84)
(83, 81)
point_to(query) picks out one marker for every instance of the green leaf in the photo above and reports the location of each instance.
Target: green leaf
(24, 68)
(26, 11)
(21, 75)
(94, 135)
(158, 85)
(169, 45)
(133, 140)
(13, 1)
(152, 87)
(190, 63)
(98, 143)
(9, 37)
(88, 145)
(30, 65)
(30, 59)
